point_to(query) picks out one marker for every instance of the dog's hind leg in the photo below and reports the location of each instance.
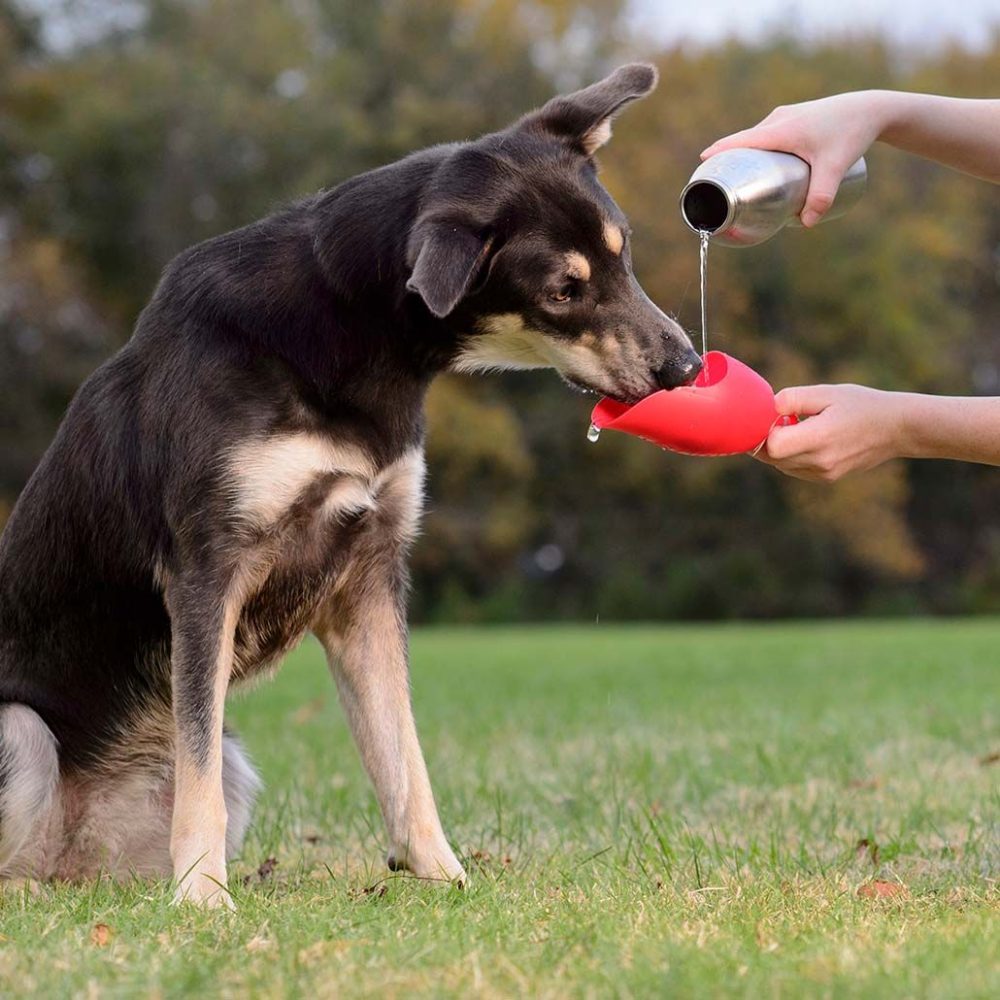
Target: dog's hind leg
(29, 781)
(240, 785)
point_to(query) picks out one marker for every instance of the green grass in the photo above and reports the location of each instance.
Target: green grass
(645, 812)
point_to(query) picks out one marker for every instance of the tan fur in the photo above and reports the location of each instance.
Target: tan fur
(614, 238)
(269, 475)
(402, 485)
(578, 266)
(509, 344)
(597, 137)
(348, 497)
(506, 345)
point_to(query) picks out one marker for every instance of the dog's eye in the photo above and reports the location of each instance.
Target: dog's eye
(564, 294)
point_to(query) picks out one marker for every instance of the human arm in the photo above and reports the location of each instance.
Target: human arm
(852, 428)
(831, 133)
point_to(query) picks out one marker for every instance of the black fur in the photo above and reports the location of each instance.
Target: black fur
(330, 317)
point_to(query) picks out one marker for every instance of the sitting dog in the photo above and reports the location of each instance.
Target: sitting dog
(249, 468)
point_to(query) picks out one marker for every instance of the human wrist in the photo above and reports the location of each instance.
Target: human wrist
(905, 424)
(894, 112)
(917, 425)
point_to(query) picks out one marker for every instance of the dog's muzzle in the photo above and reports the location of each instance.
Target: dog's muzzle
(678, 371)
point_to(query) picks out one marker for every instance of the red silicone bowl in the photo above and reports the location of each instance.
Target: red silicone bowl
(728, 410)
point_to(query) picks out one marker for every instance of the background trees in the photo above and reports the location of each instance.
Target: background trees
(130, 131)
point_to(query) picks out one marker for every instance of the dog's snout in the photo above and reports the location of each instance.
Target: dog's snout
(679, 371)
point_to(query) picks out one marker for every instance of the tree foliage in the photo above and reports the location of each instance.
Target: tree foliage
(173, 120)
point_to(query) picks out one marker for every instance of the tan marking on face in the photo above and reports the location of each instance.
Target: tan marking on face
(506, 344)
(583, 362)
(577, 266)
(511, 344)
(614, 238)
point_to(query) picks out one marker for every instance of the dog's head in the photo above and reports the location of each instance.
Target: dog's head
(521, 250)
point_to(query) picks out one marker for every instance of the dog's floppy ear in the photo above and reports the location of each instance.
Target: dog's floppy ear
(447, 257)
(584, 118)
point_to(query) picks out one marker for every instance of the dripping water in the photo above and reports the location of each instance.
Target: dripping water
(704, 235)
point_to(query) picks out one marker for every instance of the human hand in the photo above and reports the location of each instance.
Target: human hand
(850, 428)
(829, 134)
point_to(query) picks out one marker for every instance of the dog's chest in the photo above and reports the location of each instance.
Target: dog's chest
(325, 516)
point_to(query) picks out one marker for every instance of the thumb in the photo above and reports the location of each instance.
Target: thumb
(824, 182)
(802, 400)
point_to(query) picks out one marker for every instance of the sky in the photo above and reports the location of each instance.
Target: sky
(923, 23)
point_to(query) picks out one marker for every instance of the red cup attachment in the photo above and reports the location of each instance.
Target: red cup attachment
(728, 410)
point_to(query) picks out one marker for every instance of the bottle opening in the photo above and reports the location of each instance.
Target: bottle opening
(705, 206)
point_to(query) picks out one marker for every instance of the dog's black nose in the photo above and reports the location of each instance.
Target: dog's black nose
(679, 371)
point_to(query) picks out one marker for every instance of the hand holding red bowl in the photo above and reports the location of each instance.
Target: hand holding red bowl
(728, 410)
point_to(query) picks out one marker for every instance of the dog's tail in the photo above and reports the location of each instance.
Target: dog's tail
(29, 775)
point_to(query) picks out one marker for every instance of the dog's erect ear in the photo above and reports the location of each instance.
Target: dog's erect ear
(448, 257)
(584, 118)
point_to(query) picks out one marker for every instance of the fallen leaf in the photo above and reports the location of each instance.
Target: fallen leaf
(266, 868)
(100, 935)
(882, 890)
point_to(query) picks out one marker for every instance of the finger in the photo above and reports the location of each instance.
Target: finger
(757, 137)
(790, 467)
(796, 442)
(802, 400)
(824, 182)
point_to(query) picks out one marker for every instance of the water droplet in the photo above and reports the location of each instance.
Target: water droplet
(594, 433)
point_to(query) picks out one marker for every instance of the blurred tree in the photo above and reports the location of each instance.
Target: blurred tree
(131, 130)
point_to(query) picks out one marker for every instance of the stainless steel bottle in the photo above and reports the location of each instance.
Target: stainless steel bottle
(744, 196)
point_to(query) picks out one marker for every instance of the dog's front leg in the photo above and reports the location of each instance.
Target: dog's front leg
(365, 640)
(203, 623)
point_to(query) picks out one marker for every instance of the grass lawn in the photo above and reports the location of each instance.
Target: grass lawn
(644, 812)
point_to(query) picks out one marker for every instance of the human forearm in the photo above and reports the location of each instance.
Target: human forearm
(965, 428)
(851, 428)
(960, 133)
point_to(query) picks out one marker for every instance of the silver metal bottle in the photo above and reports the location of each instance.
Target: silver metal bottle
(744, 196)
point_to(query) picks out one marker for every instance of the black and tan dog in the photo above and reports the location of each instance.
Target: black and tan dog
(249, 468)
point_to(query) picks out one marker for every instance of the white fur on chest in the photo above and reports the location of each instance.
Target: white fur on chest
(267, 477)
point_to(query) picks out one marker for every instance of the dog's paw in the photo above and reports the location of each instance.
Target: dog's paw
(204, 891)
(434, 862)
